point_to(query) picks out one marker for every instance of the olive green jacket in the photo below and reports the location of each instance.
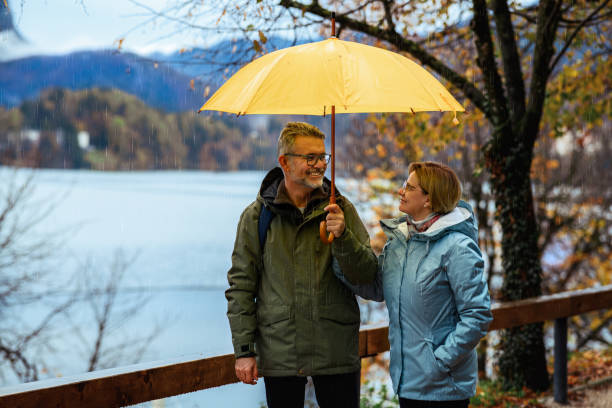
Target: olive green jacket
(286, 306)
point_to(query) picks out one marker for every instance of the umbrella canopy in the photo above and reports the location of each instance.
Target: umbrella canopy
(309, 79)
(331, 76)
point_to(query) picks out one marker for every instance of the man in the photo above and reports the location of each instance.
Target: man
(290, 316)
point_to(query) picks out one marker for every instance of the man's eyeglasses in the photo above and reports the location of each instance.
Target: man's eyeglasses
(312, 159)
(410, 187)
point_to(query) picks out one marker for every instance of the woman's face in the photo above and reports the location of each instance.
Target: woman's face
(414, 201)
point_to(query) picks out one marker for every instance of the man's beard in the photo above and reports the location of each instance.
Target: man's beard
(313, 184)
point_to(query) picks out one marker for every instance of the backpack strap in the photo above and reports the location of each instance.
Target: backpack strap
(265, 218)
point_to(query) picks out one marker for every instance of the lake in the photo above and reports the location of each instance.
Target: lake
(179, 227)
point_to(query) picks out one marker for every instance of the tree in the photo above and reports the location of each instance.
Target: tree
(30, 286)
(25, 280)
(125, 134)
(112, 307)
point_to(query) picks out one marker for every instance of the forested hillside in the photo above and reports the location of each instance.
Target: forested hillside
(107, 129)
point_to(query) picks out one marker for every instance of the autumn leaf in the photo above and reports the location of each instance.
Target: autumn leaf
(262, 37)
(257, 46)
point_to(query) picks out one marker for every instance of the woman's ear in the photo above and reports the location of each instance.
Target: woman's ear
(428, 203)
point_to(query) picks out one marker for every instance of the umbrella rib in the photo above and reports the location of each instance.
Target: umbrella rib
(427, 88)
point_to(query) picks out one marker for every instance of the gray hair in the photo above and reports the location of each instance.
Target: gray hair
(293, 130)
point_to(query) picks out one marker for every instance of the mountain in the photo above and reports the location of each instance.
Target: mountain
(158, 85)
(209, 64)
(163, 81)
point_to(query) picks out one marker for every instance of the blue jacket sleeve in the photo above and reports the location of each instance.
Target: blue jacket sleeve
(466, 277)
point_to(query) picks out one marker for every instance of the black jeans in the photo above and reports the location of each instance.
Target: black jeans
(332, 391)
(408, 403)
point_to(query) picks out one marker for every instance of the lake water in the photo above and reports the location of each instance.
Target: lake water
(180, 226)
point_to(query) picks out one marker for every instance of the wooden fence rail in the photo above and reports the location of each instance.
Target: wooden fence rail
(150, 381)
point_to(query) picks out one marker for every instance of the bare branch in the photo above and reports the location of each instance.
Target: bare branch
(511, 60)
(402, 44)
(486, 61)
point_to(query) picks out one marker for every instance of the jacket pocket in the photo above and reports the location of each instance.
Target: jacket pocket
(340, 314)
(268, 315)
(337, 338)
(465, 374)
(438, 372)
(275, 337)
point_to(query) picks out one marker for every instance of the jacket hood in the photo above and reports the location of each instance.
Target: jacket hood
(461, 220)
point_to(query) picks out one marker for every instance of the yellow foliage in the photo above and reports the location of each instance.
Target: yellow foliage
(552, 164)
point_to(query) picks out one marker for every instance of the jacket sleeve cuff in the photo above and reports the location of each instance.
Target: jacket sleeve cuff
(244, 350)
(343, 243)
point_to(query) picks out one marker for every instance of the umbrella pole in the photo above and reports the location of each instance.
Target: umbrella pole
(323, 234)
(332, 197)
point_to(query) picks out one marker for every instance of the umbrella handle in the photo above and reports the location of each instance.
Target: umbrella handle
(323, 233)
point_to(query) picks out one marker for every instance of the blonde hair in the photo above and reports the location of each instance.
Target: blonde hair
(440, 182)
(293, 130)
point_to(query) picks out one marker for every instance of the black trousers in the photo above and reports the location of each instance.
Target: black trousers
(408, 403)
(332, 391)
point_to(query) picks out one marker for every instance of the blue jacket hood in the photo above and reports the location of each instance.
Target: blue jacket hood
(461, 220)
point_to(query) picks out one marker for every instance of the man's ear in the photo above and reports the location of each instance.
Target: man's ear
(284, 163)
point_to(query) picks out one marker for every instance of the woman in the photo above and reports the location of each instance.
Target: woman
(431, 276)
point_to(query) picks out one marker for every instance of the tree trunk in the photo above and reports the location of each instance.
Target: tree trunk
(523, 358)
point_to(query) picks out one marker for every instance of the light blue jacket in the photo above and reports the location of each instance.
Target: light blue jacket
(438, 303)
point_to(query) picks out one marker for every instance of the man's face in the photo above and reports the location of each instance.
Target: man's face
(298, 170)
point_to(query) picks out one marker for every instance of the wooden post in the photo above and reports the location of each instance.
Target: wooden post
(560, 374)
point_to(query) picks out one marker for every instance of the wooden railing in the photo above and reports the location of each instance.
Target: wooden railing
(150, 381)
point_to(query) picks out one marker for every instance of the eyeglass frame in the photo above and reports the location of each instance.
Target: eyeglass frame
(324, 157)
(413, 188)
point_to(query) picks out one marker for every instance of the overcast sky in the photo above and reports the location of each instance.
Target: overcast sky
(61, 26)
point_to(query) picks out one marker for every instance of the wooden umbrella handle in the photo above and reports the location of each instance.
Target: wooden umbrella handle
(327, 239)
(323, 233)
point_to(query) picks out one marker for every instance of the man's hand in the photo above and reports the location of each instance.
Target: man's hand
(335, 220)
(246, 370)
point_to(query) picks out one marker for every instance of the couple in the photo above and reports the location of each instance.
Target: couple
(291, 303)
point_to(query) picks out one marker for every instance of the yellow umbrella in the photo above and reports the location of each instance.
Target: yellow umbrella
(309, 79)
(331, 76)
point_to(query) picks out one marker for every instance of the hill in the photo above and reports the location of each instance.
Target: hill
(172, 82)
(107, 129)
(158, 85)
